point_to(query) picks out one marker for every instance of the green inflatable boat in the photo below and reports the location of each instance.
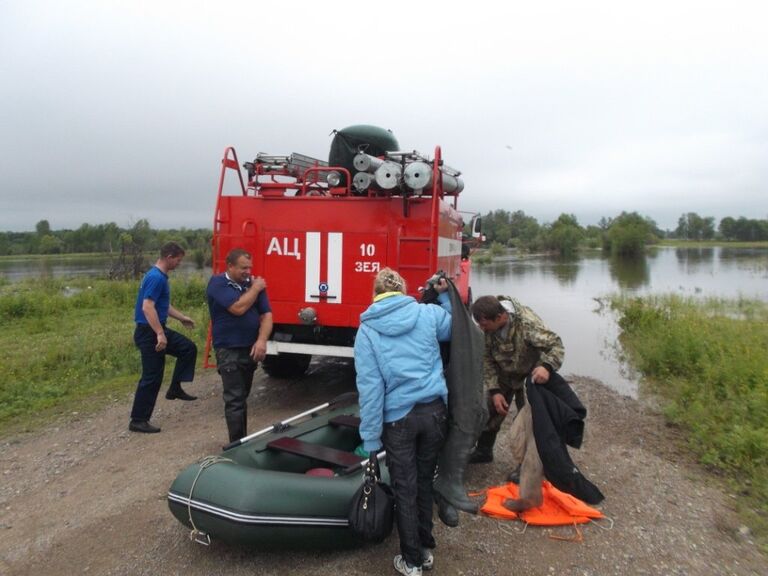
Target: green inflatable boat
(288, 485)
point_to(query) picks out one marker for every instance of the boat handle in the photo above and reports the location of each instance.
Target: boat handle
(200, 537)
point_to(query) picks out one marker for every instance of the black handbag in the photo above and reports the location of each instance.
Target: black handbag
(372, 508)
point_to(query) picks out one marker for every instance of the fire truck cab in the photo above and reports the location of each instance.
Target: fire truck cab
(319, 231)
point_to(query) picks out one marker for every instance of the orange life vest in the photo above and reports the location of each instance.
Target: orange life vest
(557, 508)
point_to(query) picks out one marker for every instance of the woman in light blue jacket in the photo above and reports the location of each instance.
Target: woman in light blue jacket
(403, 399)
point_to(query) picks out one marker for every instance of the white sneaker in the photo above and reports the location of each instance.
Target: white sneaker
(427, 559)
(404, 568)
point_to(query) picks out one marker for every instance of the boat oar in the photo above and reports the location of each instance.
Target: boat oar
(341, 400)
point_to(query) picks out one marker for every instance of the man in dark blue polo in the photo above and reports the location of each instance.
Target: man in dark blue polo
(242, 322)
(155, 341)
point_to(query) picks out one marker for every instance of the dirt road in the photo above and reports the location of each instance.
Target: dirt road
(85, 496)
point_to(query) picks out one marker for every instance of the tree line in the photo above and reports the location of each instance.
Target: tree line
(128, 243)
(627, 233)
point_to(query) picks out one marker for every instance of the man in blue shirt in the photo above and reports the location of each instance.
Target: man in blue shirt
(242, 322)
(155, 341)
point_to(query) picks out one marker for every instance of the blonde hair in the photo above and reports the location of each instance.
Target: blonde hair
(387, 280)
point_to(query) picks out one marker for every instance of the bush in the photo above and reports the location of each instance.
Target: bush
(497, 249)
(628, 234)
(707, 360)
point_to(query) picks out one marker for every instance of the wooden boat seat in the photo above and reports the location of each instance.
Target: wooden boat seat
(345, 420)
(315, 451)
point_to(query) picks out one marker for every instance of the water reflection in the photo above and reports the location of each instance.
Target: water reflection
(564, 269)
(752, 260)
(630, 273)
(727, 253)
(45, 269)
(501, 269)
(695, 255)
(694, 260)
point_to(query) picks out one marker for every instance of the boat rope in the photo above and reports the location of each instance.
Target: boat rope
(599, 525)
(197, 535)
(576, 537)
(512, 530)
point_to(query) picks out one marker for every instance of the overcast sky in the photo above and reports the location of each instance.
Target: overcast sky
(113, 111)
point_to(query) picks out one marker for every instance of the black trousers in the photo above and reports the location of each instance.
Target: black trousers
(153, 367)
(413, 445)
(236, 368)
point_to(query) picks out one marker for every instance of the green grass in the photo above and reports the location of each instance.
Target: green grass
(483, 257)
(68, 345)
(707, 360)
(711, 243)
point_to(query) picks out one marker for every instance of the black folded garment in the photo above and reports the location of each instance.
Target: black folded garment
(558, 422)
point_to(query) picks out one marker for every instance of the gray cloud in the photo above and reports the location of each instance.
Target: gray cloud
(121, 111)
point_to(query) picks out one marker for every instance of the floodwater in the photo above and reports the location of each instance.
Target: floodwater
(569, 295)
(87, 265)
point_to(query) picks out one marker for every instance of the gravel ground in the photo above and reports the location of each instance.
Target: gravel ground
(85, 496)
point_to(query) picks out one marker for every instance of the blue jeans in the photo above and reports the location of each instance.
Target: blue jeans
(413, 445)
(153, 367)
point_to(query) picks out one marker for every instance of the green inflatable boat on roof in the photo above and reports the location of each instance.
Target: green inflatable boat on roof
(289, 485)
(351, 140)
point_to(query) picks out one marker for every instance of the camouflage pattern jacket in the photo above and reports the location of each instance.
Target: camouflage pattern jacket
(528, 343)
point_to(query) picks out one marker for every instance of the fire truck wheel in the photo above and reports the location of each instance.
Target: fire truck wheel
(286, 365)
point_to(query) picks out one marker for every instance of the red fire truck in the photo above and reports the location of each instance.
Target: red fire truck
(319, 231)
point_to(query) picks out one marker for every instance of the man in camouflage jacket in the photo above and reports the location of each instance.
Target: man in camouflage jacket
(517, 343)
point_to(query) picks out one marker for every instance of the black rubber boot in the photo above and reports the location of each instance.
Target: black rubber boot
(446, 511)
(236, 426)
(448, 486)
(483, 452)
